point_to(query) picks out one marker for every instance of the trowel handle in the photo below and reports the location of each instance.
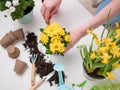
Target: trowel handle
(33, 75)
(37, 84)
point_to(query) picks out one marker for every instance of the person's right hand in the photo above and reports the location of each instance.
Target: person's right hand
(75, 36)
(49, 8)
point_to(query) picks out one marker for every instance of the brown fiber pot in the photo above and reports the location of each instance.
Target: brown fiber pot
(12, 36)
(13, 52)
(19, 34)
(5, 41)
(20, 66)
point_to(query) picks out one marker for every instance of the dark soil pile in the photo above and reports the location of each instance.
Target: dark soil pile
(43, 67)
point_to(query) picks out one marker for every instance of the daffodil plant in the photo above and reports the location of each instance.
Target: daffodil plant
(54, 38)
(106, 57)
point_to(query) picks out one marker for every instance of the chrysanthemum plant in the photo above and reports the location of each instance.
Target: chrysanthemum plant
(54, 38)
(106, 57)
(16, 8)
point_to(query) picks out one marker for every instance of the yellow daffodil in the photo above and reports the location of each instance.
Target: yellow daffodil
(107, 41)
(104, 61)
(89, 31)
(117, 25)
(118, 33)
(116, 65)
(103, 49)
(92, 56)
(115, 50)
(98, 41)
(105, 58)
(110, 76)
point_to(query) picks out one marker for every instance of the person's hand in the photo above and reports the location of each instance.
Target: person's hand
(49, 8)
(74, 40)
(76, 35)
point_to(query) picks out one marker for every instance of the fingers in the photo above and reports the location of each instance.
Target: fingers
(43, 10)
(53, 11)
(46, 13)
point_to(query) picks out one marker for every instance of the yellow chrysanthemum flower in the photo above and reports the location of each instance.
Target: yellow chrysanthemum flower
(110, 76)
(47, 31)
(43, 38)
(57, 47)
(67, 38)
(56, 39)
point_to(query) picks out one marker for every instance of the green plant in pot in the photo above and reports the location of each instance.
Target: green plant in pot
(100, 62)
(17, 9)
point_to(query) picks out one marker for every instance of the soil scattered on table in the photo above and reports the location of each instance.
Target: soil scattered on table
(43, 66)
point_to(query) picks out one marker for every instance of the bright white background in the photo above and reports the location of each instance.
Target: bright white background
(70, 15)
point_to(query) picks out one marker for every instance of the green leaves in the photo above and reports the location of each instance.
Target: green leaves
(2, 6)
(20, 10)
(80, 85)
(41, 29)
(86, 57)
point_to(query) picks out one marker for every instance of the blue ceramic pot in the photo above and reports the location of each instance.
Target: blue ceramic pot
(27, 18)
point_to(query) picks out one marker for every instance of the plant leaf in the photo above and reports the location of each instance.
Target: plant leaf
(81, 85)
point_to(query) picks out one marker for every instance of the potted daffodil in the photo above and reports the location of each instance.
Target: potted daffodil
(102, 61)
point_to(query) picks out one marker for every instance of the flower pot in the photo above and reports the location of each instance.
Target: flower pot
(5, 41)
(12, 36)
(13, 52)
(28, 16)
(20, 66)
(92, 76)
(19, 34)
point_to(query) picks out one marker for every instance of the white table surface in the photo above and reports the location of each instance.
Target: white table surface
(70, 15)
